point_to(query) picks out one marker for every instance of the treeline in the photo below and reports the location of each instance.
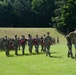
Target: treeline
(38, 13)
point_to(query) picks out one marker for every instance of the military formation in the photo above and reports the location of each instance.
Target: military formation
(19, 43)
(16, 43)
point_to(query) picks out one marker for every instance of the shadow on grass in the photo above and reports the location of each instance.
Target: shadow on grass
(26, 54)
(10, 56)
(55, 57)
(53, 52)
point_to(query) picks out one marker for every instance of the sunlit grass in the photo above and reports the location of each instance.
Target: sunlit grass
(38, 64)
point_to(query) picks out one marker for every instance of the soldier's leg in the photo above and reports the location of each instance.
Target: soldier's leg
(30, 48)
(70, 50)
(75, 50)
(19, 46)
(8, 50)
(23, 48)
(44, 48)
(41, 47)
(48, 49)
(5, 50)
(16, 51)
(37, 46)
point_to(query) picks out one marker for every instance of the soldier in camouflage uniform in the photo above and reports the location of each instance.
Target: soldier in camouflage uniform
(69, 44)
(48, 42)
(44, 47)
(71, 39)
(30, 43)
(16, 44)
(42, 43)
(2, 45)
(23, 43)
(37, 42)
(0, 42)
(6, 45)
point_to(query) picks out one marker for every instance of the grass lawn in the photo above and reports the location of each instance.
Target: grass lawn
(38, 64)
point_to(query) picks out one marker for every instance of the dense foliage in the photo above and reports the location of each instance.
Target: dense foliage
(38, 13)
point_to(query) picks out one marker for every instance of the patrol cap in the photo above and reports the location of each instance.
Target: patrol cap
(5, 36)
(22, 35)
(36, 35)
(15, 35)
(29, 35)
(48, 33)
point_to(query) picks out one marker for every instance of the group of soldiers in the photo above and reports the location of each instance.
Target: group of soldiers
(15, 43)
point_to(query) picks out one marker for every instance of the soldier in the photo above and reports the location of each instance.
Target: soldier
(16, 44)
(19, 43)
(44, 46)
(37, 42)
(42, 43)
(30, 43)
(48, 42)
(72, 36)
(57, 40)
(2, 45)
(23, 43)
(69, 44)
(6, 45)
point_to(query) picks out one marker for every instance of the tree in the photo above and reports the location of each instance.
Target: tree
(69, 15)
(43, 11)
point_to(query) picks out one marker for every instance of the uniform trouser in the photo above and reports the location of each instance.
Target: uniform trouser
(6, 50)
(30, 48)
(41, 47)
(44, 48)
(70, 50)
(47, 49)
(19, 46)
(16, 50)
(36, 48)
(23, 48)
(75, 49)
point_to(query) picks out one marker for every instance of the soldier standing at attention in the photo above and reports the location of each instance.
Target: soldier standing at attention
(23, 43)
(48, 42)
(30, 43)
(6, 45)
(16, 44)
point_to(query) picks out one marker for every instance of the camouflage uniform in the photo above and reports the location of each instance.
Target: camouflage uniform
(16, 44)
(23, 43)
(44, 47)
(30, 43)
(69, 44)
(37, 42)
(72, 37)
(42, 43)
(2, 45)
(48, 41)
(6, 45)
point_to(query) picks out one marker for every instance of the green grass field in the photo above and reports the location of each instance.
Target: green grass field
(38, 64)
